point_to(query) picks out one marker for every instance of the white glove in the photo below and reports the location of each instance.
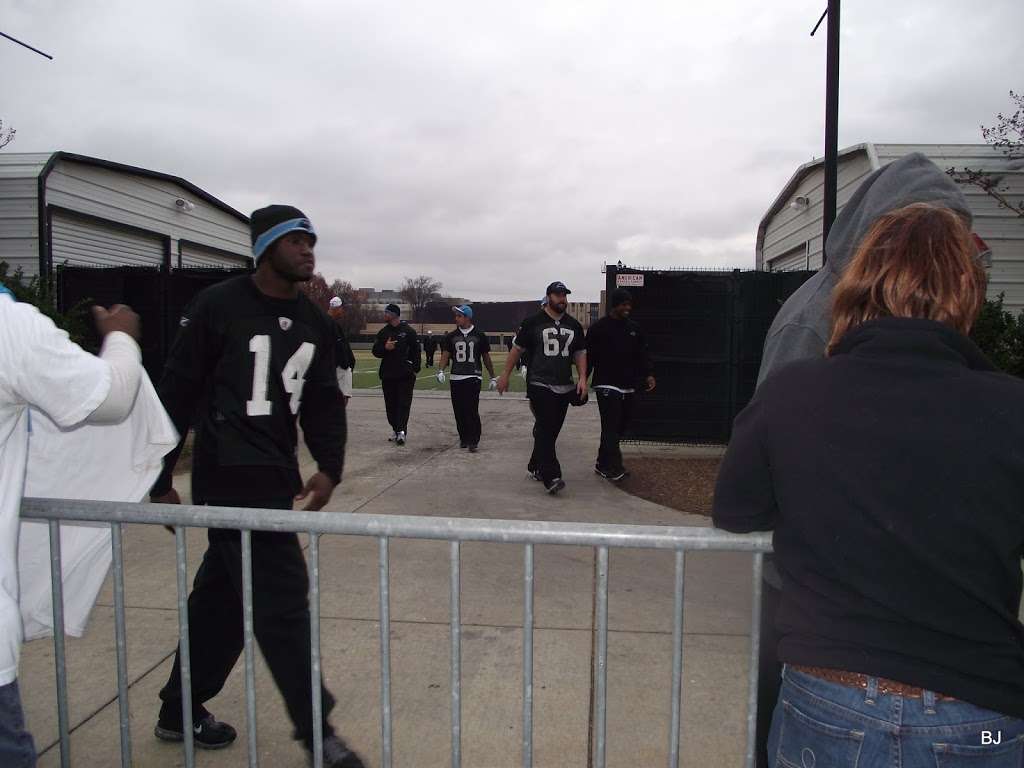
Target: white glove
(493, 385)
(440, 376)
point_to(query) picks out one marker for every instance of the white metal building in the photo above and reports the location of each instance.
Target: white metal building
(62, 208)
(789, 236)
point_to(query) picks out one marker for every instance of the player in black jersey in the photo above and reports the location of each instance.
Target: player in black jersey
(466, 347)
(253, 354)
(551, 341)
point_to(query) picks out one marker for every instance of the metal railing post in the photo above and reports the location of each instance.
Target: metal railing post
(528, 656)
(601, 661)
(755, 646)
(121, 644)
(384, 575)
(181, 562)
(247, 644)
(675, 719)
(59, 654)
(315, 681)
(456, 657)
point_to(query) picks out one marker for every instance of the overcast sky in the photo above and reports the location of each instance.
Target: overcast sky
(499, 146)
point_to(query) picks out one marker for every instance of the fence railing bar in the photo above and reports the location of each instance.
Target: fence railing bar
(383, 566)
(675, 719)
(755, 646)
(456, 657)
(250, 652)
(121, 644)
(181, 562)
(315, 681)
(528, 656)
(601, 661)
(59, 649)
(401, 526)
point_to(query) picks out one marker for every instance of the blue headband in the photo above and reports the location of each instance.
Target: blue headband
(5, 290)
(278, 230)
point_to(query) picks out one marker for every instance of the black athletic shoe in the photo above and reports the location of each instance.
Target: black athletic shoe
(208, 732)
(338, 755)
(608, 474)
(534, 474)
(555, 485)
(463, 445)
(473, 448)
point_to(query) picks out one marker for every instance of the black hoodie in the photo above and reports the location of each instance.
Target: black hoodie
(402, 361)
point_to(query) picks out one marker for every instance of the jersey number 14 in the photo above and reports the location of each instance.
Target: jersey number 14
(293, 376)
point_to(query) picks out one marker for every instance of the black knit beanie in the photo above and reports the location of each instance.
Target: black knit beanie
(620, 296)
(275, 221)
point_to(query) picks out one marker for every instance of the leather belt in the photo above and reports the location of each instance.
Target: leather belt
(857, 680)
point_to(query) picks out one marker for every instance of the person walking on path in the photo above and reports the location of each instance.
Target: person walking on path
(552, 341)
(618, 357)
(398, 348)
(344, 358)
(466, 347)
(254, 355)
(429, 347)
(41, 368)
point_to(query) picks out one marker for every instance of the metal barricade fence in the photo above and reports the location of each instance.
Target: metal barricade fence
(602, 537)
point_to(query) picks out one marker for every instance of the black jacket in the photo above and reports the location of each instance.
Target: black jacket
(343, 355)
(892, 475)
(404, 360)
(617, 353)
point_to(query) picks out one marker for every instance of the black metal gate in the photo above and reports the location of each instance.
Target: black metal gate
(156, 295)
(706, 332)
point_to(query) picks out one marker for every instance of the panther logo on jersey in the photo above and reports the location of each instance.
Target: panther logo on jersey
(285, 322)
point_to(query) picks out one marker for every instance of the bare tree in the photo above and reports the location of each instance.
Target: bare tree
(1007, 135)
(418, 292)
(317, 290)
(6, 134)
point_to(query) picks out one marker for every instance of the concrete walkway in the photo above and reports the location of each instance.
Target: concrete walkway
(431, 476)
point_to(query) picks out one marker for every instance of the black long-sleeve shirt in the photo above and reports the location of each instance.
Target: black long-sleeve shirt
(617, 354)
(892, 474)
(243, 367)
(404, 360)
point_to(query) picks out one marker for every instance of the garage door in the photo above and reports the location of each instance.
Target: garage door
(82, 243)
(791, 261)
(197, 256)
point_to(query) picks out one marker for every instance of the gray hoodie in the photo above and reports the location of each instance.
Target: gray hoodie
(803, 325)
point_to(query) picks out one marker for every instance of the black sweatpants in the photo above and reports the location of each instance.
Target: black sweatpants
(280, 607)
(616, 408)
(466, 404)
(549, 415)
(430, 359)
(398, 401)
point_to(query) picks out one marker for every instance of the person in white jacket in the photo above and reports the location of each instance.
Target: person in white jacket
(41, 368)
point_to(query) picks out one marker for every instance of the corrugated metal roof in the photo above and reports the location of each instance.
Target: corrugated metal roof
(23, 165)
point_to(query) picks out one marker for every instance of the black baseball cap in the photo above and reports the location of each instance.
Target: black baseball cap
(557, 287)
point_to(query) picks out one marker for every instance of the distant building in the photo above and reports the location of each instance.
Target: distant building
(61, 208)
(789, 236)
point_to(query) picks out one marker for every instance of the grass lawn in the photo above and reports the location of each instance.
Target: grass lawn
(365, 376)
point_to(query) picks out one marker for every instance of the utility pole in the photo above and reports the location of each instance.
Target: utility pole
(831, 120)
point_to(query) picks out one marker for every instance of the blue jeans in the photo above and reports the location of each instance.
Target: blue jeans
(16, 747)
(819, 723)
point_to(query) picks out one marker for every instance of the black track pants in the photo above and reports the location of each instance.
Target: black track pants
(549, 413)
(615, 408)
(280, 584)
(466, 404)
(398, 401)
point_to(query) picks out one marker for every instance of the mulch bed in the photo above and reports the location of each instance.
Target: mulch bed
(684, 484)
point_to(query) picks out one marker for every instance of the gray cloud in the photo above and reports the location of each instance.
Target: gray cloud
(497, 147)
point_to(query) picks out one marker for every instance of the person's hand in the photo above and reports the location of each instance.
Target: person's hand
(346, 398)
(389, 345)
(502, 384)
(119, 317)
(651, 384)
(318, 489)
(581, 388)
(493, 385)
(171, 497)
(440, 376)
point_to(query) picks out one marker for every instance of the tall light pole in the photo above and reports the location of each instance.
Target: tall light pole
(831, 120)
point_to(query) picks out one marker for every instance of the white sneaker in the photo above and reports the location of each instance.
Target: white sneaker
(400, 438)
